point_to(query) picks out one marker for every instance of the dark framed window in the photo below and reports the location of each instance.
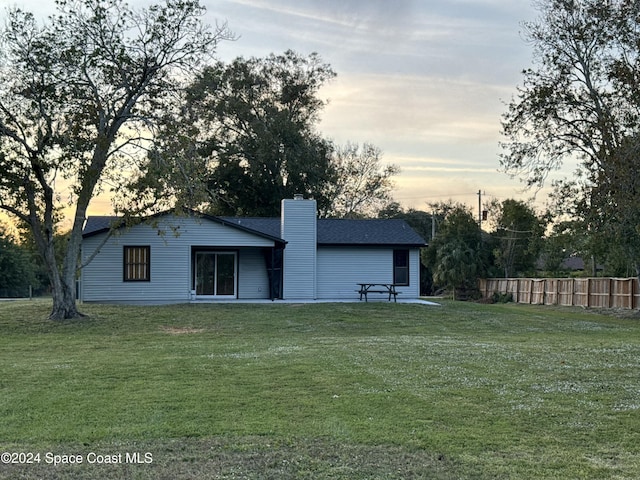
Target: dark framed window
(137, 263)
(401, 267)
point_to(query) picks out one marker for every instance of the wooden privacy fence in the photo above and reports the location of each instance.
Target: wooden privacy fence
(584, 292)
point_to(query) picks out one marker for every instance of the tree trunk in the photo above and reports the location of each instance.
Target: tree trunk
(62, 283)
(64, 302)
(63, 286)
(64, 297)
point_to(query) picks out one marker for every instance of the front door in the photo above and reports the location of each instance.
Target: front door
(215, 274)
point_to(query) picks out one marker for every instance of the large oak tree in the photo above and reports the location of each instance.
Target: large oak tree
(80, 95)
(246, 136)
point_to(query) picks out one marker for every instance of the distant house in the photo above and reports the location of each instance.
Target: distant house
(575, 263)
(572, 263)
(173, 258)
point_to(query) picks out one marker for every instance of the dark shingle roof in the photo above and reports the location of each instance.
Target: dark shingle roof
(267, 225)
(367, 232)
(330, 231)
(95, 225)
(346, 231)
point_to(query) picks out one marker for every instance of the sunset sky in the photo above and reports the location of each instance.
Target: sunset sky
(424, 80)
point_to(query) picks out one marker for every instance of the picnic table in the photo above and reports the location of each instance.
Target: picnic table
(384, 288)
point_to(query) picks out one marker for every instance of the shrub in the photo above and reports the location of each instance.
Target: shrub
(498, 297)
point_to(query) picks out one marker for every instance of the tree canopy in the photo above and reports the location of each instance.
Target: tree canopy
(362, 186)
(18, 271)
(457, 255)
(518, 236)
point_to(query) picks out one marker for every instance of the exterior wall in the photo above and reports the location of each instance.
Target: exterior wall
(171, 268)
(253, 282)
(299, 229)
(340, 269)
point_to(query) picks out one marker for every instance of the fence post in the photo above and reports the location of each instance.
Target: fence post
(610, 292)
(531, 283)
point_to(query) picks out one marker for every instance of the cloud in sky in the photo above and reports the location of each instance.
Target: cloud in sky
(424, 80)
(426, 37)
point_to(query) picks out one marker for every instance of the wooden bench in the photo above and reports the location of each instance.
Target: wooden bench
(383, 288)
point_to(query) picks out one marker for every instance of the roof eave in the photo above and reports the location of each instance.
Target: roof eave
(377, 245)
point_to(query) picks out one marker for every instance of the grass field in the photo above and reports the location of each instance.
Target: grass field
(340, 391)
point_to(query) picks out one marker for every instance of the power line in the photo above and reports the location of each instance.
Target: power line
(438, 196)
(444, 195)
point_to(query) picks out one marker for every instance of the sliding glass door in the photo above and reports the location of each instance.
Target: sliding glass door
(215, 274)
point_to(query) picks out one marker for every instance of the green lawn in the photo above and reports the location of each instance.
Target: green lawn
(340, 391)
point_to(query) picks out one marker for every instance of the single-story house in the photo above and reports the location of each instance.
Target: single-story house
(175, 258)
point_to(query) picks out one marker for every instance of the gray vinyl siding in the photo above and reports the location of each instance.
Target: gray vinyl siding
(413, 289)
(340, 269)
(170, 241)
(252, 275)
(299, 230)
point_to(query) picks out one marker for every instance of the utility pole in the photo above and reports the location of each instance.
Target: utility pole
(433, 224)
(480, 208)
